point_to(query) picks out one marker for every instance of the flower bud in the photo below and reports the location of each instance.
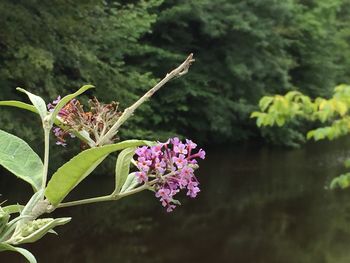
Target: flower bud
(33, 226)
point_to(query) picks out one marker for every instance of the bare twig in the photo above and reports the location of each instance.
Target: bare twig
(178, 72)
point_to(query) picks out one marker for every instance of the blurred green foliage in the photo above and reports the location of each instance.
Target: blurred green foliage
(333, 113)
(52, 48)
(330, 115)
(244, 50)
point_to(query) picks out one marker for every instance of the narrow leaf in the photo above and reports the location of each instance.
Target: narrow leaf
(51, 231)
(17, 157)
(255, 114)
(18, 104)
(68, 98)
(12, 209)
(29, 256)
(37, 101)
(4, 218)
(122, 167)
(130, 183)
(68, 176)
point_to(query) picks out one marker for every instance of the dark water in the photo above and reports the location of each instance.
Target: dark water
(257, 205)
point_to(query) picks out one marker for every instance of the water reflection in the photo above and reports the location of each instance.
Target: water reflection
(257, 205)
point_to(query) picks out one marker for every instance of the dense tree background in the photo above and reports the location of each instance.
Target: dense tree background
(244, 50)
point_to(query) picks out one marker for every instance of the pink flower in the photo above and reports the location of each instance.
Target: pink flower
(160, 166)
(141, 151)
(164, 195)
(170, 208)
(172, 163)
(187, 172)
(193, 189)
(56, 101)
(141, 177)
(201, 154)
(175, 141)
(156, 150)
(190, 144)
(180, 148)
(180, 161)
(51, 106)
(143, 164)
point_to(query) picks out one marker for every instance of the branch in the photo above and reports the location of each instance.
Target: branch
(178, 72)
(111, 197)
(46, 155)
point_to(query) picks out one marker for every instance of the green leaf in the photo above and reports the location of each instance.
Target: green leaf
(12, 209)
(265, 102)
(51, 231)
(68, 176)
(4, 219)
(342, 181)
(29, 256)
(10, 228)
(310, 134)
(255, 114)
(259, 121)
(341, 108)
(17, 157)
(40, 227)
(347, 163)
(122, 167)
(130, 183)
(290, 96)
(18, 104)
(68, 98)
(37, 101)
(280, 120)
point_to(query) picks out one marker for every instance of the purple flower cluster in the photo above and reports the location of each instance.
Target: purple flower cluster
(172, 164)
(58, 132)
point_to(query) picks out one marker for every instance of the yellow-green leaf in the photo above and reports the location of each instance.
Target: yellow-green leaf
(122, 167)
(18, 104)
(37, 101)
(68, 176)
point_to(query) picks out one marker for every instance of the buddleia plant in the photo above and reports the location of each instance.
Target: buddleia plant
(164, 168)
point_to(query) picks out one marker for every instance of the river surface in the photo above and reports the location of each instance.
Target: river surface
(257, 205)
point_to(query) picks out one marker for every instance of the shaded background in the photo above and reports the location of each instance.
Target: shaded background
(258, 204)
